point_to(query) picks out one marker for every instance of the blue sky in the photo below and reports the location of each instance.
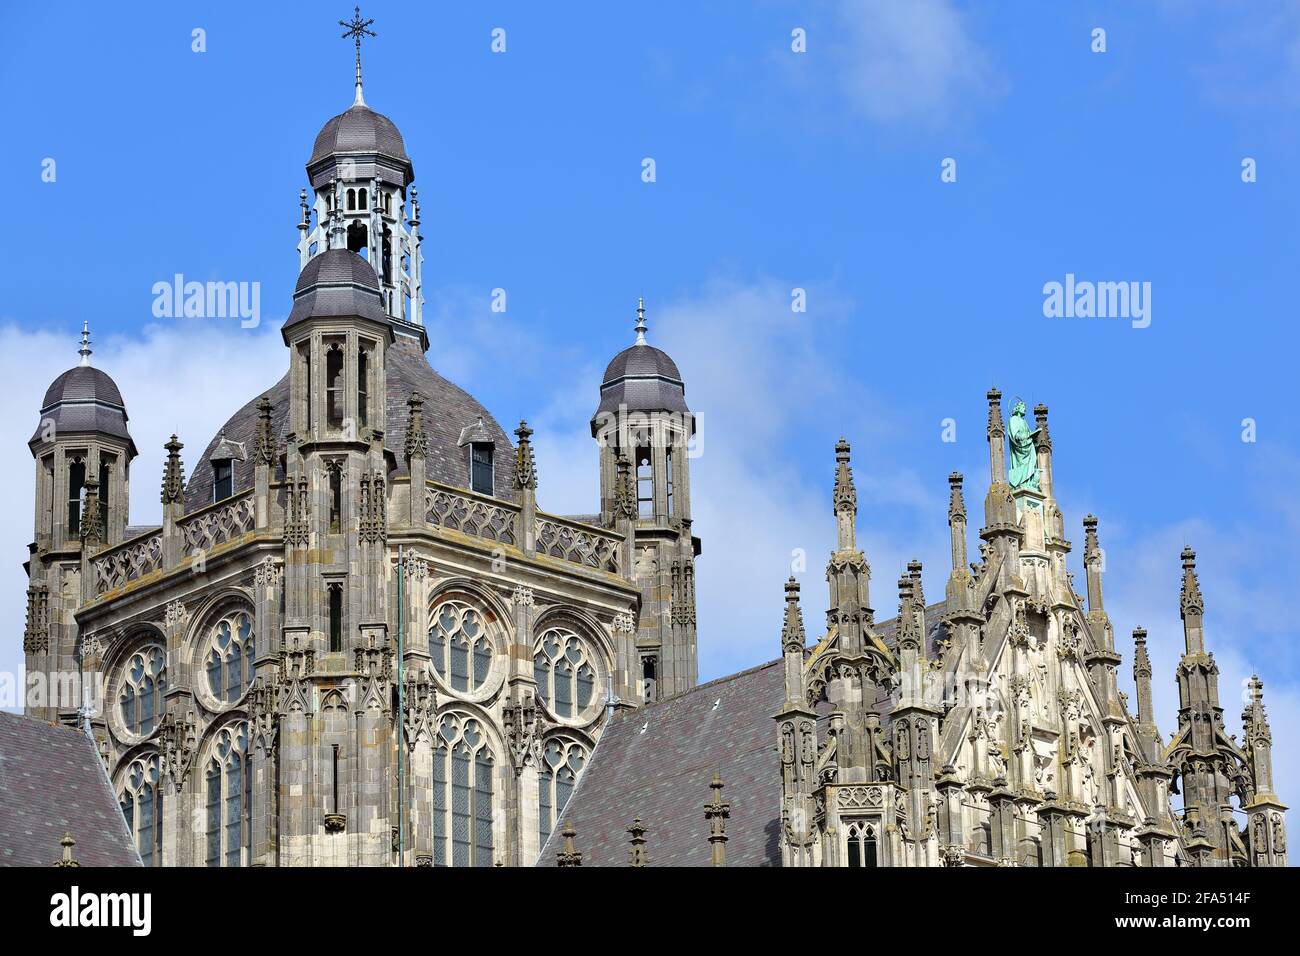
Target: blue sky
(775, 170)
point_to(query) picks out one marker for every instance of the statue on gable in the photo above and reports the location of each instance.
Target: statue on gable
(1023, 470)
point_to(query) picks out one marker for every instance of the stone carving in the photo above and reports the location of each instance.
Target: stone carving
(482, 519)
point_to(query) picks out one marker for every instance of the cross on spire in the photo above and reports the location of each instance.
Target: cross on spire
(357, 29)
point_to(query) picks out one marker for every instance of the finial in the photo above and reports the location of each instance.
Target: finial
(173, 486)
(636, 852)
(265, 432)
(417, 440)
(357, 29)
(525, 464)
(568, 856)
(67, 843)
(716, 812)
(84, 351)
(793, 637)
(640, 320)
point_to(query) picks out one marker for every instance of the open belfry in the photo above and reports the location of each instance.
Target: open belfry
(357, 638)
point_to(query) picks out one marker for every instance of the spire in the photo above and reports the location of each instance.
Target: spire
(173, 486)
(1043, 444)
(1192, 605)
(640, 321)
(84, 351)
(357, 29)
(1142, 679)
(1092, 563)
(417, 442)
(716, 811)
(265, 433)
(636, 840)
(957, 521)
(793, 636)
(996, 435)
(845, 498)
(525, 465)
(1259, 737)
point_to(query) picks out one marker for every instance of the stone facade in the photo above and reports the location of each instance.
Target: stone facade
(356, 639)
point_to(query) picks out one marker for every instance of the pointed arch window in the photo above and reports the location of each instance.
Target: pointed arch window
(862, 846)
(363, 387)
(460, 645)
(562, 763)
(231, 651)
(140, 690)
(565, 671)
(334, 396)
(76, 486)
(140, 798)
(228, 786)
(645, 483)
(464, 794)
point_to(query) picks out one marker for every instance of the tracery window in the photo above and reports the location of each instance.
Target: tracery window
(231, 650)
(460, 645)
(564, 669)
(862, 845)
(562, 763)
(141, 800)
(228, 784)
(463, 794)
(140, 690)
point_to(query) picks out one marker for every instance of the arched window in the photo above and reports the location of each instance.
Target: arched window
(562, 762)
(460, 645)
(463, 794)
(231, 650)
(352, 199)
(140, 797)
(361, 199)
(140, 690)
(862, 845)
(363, 387)
(229, 797)
(645, 484)
(76, 485)
(565, 672)
(334, 397)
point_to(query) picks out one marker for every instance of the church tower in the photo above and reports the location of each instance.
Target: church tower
(360, 174)
(644, 429)
(83, 452)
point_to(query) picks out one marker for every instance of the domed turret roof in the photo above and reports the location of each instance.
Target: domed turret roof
(641, 378)
(336, 282)
(369, 141)
(83, 400)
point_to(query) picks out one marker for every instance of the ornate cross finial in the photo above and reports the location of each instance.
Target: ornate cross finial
(84, 351)
(525, 464)
(640, 321)
(357, 29)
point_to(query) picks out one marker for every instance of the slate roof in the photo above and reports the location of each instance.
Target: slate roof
(83, 399)
(336, 282)
(52, 782)
(656, 763)
(642, 378)
(447, 410)
(364, 135)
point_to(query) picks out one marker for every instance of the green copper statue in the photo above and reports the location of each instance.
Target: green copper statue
(1023, 472)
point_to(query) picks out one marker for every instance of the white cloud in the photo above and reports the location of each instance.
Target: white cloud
(916, 62)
